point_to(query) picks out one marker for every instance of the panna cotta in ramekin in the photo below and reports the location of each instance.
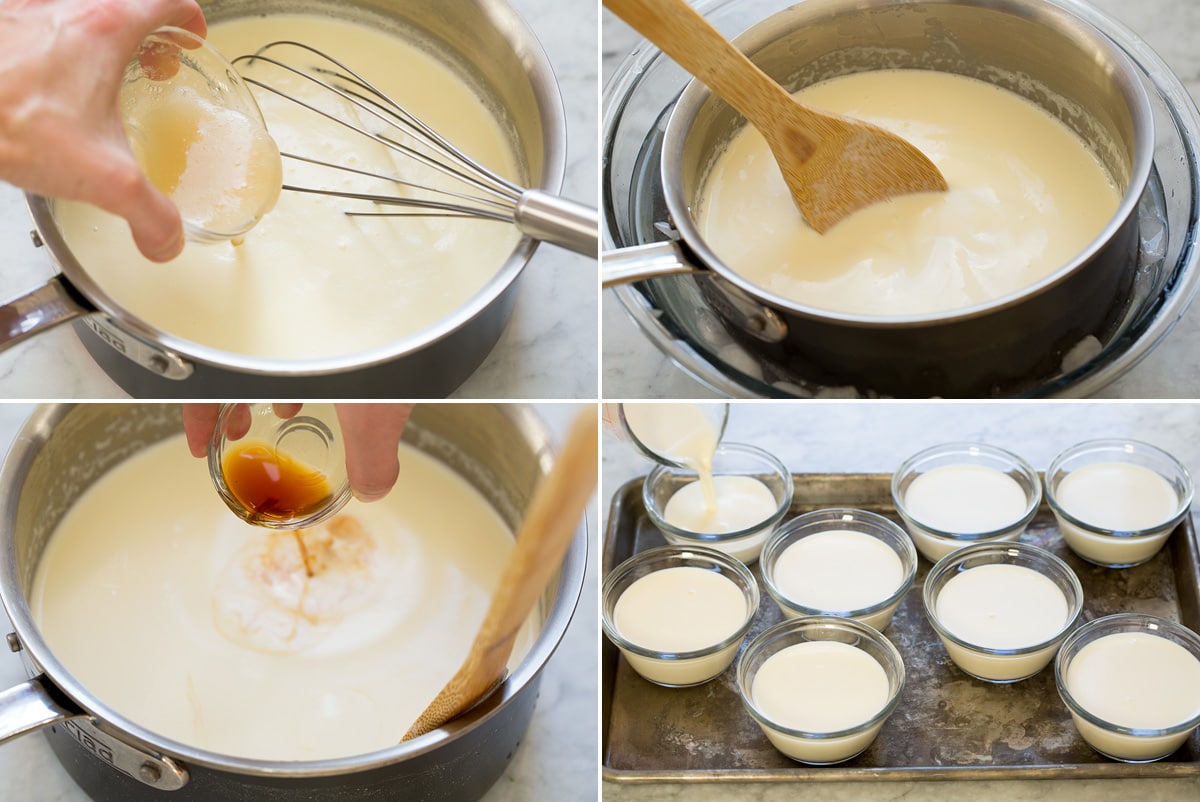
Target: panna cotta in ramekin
(679, 614)
(956, 494)
(1002, 609)
(842, 562)
(1132, 685)
(820, 687)
(1117, 501)
(751, 492)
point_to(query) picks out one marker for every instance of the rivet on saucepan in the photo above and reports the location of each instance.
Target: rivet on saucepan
(37, 239)
(159, 364)
(14, 643)
(149, 773)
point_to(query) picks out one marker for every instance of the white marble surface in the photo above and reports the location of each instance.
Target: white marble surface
(556, 759)
(548, 350)
(633, 367)
(875, 437)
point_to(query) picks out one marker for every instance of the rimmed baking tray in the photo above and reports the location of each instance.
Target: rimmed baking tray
(947, 725)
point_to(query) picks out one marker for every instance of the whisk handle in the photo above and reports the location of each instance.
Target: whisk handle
(558, 221)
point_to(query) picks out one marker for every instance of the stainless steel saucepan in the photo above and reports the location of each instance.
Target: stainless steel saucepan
(62, 450)
(493, 46)
(1033, 47)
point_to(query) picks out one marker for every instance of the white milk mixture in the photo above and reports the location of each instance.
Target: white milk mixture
(1118, 496)
(1002, 607)
(309, 281)
(680, 609)
(233, 638)
(838, 571)
(965, 499)
(820, 686)
(1136, 680)
(1025, 197)
(741, 502)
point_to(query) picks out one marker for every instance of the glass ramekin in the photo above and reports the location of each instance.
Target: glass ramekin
(170, 61)
(1126, 744)
(678, 669)
(935, 543)
(878, 614)
(1114, 548)
(309, 439)
(1002, 666)
(730, 459)
(820, 748)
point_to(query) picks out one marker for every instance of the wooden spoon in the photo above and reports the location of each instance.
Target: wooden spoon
(554, 511)
(833, 165)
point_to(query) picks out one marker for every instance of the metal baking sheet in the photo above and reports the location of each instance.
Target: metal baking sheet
(947, 725)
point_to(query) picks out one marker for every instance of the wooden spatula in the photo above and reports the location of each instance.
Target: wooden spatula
(833, 165)
(554, 511)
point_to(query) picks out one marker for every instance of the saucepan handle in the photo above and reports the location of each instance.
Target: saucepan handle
(558, 221)
(32, 705)
(49, 305)
(640, 262)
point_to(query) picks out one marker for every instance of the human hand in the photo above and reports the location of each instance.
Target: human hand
(61, 67)
(371, 433)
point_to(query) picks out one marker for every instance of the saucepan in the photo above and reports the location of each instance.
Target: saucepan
(495, 48)
(1035, 48)
(63, 449)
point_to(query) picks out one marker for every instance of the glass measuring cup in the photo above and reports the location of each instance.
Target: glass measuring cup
(667, 433)
(198, 134)
(278, 468)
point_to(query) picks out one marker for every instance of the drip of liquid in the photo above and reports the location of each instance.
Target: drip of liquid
(680, 432)
(273, 486)
(290, 590)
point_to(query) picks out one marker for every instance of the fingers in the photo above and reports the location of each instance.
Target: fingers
(185, 14)
(372, 435)
(153, 220)
(286, 411)
(199, 421)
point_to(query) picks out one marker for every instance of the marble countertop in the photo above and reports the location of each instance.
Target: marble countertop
(557, 756)
(827, 437)
(548, 349)
(633, 367)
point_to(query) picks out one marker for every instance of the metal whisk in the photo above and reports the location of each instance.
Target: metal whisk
(484, 195)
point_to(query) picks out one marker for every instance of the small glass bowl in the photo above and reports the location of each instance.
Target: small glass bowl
(615, 416)
(935, 543)
(678, 669)
(1113, 548)
(820, 748)
(730, 459)
(292, 467)
(1129, 745)
(1002, 666)
(877, 615)
(172, 61)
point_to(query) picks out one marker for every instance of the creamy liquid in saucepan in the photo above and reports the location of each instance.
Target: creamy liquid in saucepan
(212, 632)
(1026, 196)
(310, 282)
